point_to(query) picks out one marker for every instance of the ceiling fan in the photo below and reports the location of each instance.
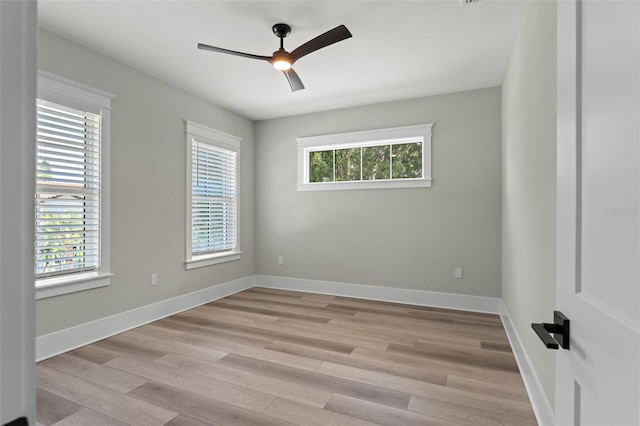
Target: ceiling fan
(283, 60)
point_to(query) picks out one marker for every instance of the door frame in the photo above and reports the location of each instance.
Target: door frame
(18, 26)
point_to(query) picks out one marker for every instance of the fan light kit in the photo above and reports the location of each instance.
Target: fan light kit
(283, 60)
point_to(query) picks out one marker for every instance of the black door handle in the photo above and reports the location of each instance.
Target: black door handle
(559, 328)
(544, 335)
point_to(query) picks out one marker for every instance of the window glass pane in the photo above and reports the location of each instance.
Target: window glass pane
(406, 161)
(66, 233)
(375, 162)
(212, 171)
(321, 166)
(347, 164)
(213, 227)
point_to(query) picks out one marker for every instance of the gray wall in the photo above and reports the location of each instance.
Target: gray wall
(148, 213)
(406, 238)
(529, 183)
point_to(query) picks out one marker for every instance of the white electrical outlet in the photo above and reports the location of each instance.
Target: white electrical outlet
(457, 273)
(280, 260)
(154, 279)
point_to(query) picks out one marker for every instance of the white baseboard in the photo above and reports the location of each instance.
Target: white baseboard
(541, 408)
(65, 340)
(386, 294)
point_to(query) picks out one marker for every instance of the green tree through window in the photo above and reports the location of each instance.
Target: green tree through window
(375, 162)
(406, 161)
(347, 164)
(321, 166)
(378, 162)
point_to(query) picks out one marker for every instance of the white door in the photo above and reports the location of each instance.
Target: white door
(598, 280)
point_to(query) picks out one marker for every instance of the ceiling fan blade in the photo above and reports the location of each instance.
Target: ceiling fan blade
(294, 80)
(232, 52)
(335, 35)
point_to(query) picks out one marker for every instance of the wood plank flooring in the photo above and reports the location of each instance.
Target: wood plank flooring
(272, 357)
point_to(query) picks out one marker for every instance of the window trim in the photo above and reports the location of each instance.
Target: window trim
(365, 138)
(221, 140)
(54, 88)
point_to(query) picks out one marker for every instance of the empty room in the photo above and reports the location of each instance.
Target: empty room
(320, 212)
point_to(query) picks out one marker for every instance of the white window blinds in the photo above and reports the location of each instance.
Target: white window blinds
(213, 199)
(67, 210)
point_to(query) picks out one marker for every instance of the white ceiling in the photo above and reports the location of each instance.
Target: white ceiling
(399, 49)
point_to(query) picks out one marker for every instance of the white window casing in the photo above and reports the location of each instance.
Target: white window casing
(72, 223)
(420, 135)
(213, 164)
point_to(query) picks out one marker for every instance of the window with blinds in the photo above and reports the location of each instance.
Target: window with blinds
(67, 205)
(212, 196)
(213, 199)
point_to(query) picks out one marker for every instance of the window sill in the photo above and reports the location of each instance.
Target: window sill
(369, 184)
(56, 286)
(211, 259)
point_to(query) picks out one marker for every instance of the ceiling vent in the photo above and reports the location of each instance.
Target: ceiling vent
(470, 2)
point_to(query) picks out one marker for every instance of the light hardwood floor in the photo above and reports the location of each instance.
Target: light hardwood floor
(272, 357)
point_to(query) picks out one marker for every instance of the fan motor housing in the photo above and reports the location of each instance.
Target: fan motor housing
(281, 30)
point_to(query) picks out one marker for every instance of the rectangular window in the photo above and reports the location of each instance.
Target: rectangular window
(71, 251)
(213, 196)
(386, 158)
(67, 219)
(375, 162)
